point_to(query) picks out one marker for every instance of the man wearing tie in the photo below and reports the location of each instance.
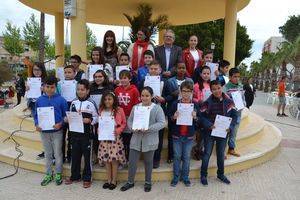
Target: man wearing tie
(168, 55)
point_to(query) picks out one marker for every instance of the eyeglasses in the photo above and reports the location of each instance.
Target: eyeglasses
(37, 70)
(186, 91)
(168, 36)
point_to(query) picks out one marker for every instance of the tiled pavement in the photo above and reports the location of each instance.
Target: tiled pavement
(276, 179)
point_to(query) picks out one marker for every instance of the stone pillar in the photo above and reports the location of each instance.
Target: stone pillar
(59, 39)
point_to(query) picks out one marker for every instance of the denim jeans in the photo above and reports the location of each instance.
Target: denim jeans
(52, 143)
(232, 135)
(182, 147)
(209, 142)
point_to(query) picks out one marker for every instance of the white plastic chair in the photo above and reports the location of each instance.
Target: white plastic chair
(273, 97)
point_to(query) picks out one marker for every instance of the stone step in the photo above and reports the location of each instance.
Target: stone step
(253, 154)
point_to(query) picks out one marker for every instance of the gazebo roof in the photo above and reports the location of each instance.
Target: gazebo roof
(110, 12)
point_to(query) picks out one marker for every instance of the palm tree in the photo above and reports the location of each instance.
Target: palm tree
(143, 19)
(295, 53)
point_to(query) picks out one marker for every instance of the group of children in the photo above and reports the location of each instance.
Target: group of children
(118, 100)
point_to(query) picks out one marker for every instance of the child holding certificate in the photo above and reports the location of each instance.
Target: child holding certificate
(184, 119)
(128, 96)
(124, 60)
(81, 141)
(112, 151)
(217, 104)
(50, 110)
(38, 71)
(97, 57)
(65, 90)
(223, 70)
(98, 87)
(171, 95)
(144, 70)
(144, 140)
(155, 71)
(234, 86)
(200, 94)
(76, 61)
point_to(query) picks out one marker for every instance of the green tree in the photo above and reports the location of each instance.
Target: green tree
(143, 19)
(5, 72)
(42, 38)
(50, 50)
(213, 32)
(12, 40)
(291, 29)
(91, 41)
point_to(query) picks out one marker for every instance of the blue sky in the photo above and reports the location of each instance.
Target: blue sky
(261, 17)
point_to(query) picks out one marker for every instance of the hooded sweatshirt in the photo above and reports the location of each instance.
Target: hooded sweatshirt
(128, 97)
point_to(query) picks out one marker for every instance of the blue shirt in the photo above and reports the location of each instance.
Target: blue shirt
(142, 72)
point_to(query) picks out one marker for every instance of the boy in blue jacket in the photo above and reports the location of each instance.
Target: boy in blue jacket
(217, 104)
(183, 135)
(170, 93)
(52, 139)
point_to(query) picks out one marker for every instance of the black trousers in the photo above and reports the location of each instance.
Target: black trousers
(126, 137)
(19, 97)
(81, 146)
(157, 153)
(67, 136)
(170, 140)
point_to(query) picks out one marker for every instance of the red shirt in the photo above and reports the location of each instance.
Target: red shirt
(128, 97)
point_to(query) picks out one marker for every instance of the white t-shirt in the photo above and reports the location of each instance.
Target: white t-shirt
(195, 56)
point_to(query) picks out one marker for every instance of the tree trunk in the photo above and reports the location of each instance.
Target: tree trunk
(296, 76)
(42, 38)
(273, 80)
(267, 81)
(261, 85)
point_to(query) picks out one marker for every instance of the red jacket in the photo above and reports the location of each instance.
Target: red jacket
(128, 97)
(189, 61)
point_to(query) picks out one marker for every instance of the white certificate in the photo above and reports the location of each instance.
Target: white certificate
(185, 111)
(92, 70)
(60, 73)
(226, 79)
(141, 118)
(106, 128)
(68, 89)
(222, 123)
(206, 93)
(119, 69)
(46, 119)
(97, 99)
(34, 85)
(213, 68)
(75, 121)
(238, 100)
(154, 83)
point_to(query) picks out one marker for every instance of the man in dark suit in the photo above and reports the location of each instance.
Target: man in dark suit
(168, 55)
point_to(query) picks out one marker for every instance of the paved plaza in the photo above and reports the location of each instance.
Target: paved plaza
(276, 179)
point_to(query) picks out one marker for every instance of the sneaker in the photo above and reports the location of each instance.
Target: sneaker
(147, 187)
(112, 186)
(187, 183)
(58, 179)
(174, 183)
(223, 179)
(41, 156)
(233, 152)
(203, 180)
(284, 115)
(127, 186)
(279, 115)
(47, 179)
